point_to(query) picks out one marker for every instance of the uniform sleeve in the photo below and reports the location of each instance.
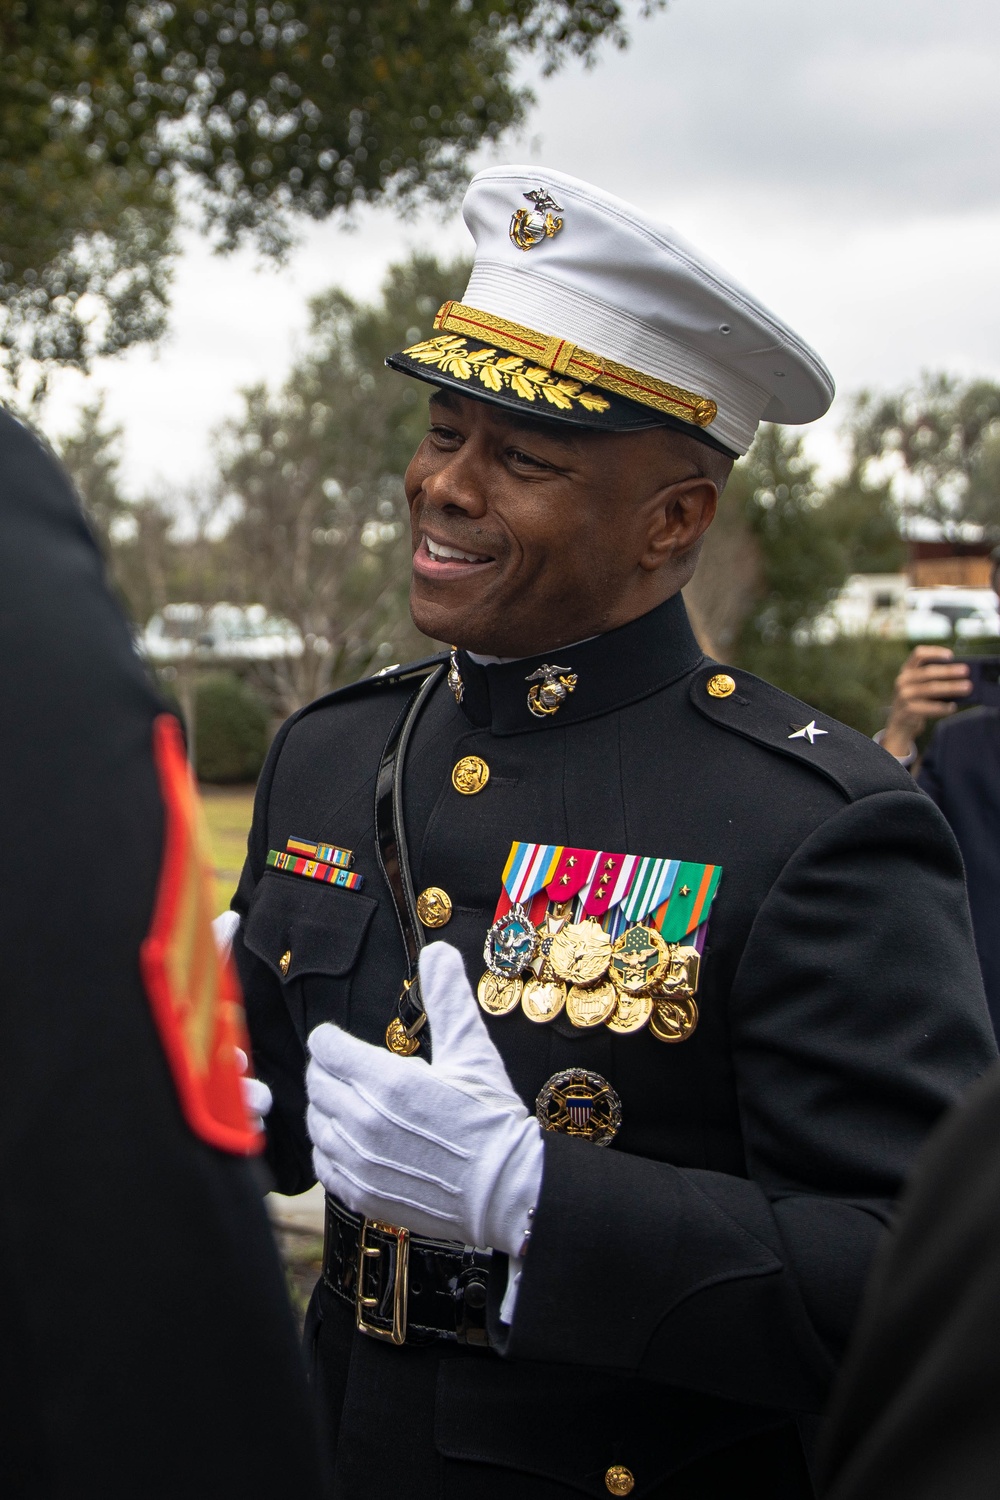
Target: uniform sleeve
(146, 1343)
(279, 1057)
(857, 1015)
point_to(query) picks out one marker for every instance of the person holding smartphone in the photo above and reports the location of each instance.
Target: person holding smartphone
(960, 770)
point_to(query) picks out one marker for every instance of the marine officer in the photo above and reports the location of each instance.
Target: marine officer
(146, 1343)
(604, 1231)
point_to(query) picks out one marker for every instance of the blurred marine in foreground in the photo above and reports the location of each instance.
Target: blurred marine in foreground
(916, 1415)
(606, 1230)
(146, 1345)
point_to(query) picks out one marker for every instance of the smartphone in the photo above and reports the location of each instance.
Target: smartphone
(985, 674)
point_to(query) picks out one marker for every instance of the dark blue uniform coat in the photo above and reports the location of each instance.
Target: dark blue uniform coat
(147, 1350)
(961, 771)
(688, 1292)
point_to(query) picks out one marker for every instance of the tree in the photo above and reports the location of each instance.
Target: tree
(145, 562)
(264, 111)
(773, 557)
(940, 443)
(316, 468)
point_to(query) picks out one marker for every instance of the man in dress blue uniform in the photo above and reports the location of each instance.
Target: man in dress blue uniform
(605, 1231)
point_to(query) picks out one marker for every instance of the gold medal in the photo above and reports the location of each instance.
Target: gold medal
(630, 1014)
(580, 952)
(638, 959)
(681, 978)
(673, 1020)
(498, 996)
(543, 999)
(590, 1007)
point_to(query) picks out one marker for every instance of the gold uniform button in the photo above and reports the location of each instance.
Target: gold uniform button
(721, 685)
(285, 960)
(434, 906)
(619, 1480)
(470, 775)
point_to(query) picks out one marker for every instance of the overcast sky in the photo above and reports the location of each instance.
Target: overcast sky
(840, 158)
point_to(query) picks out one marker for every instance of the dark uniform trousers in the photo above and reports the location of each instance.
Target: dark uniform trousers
(688, 1291)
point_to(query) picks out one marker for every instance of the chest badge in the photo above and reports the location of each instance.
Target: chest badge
(580, 1103)
(529, 226)
(552, 686)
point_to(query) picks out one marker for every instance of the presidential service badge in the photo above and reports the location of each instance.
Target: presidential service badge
(193, 992)
(579, 1103)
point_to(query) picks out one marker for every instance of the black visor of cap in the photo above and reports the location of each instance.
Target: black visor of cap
(598, 411)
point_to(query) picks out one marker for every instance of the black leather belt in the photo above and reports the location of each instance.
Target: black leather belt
(404, 1287)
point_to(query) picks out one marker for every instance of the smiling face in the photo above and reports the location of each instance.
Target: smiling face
(529, 535)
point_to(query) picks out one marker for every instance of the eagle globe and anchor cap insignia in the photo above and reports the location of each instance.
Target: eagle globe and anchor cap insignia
(528, 228)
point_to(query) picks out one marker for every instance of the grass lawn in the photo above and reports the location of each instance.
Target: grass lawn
(228, 810)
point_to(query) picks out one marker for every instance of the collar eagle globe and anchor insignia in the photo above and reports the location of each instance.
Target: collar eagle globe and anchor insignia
(552, 686)
(529, 226)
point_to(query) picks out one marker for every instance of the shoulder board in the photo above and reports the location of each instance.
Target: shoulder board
(758, 711)
(414, 671)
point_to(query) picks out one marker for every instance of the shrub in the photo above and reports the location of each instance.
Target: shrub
(231, 730)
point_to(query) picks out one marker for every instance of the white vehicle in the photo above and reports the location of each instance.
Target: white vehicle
(218, 631)
(938, 614)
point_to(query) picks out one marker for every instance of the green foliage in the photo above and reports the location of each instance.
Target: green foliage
(863, 520)
(322, 535)
(232, 730)
(262, 112)
(802, 562)
(850, 678)
(942, 439)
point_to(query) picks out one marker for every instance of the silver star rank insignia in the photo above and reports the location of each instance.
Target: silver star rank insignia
(807, 732)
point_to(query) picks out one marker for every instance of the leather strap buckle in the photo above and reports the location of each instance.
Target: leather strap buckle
(389, 1303)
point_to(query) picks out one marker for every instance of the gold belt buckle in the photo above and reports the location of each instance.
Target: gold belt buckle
(400, 1281)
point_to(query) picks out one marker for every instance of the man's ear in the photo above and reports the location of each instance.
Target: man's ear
(679, 516)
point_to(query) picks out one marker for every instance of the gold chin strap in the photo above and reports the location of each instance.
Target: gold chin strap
(566, 358)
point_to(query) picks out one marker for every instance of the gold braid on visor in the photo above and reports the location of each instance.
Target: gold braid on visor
(569, 359)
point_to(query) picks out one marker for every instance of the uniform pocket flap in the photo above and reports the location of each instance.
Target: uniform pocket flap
(574, 1424)
(298, 926)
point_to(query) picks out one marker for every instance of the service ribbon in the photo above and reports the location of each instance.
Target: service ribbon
(529, 867)
(690, 901)
(571, 874)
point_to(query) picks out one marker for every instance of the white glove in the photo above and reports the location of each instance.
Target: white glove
(224, 929)
(446, 1148)
(256, 1095)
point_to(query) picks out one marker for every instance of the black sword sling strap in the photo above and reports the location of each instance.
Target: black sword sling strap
(403, 1033)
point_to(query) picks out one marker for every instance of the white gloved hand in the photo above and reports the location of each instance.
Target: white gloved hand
(446, 1148)
(256, 1095)
(224, 929)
